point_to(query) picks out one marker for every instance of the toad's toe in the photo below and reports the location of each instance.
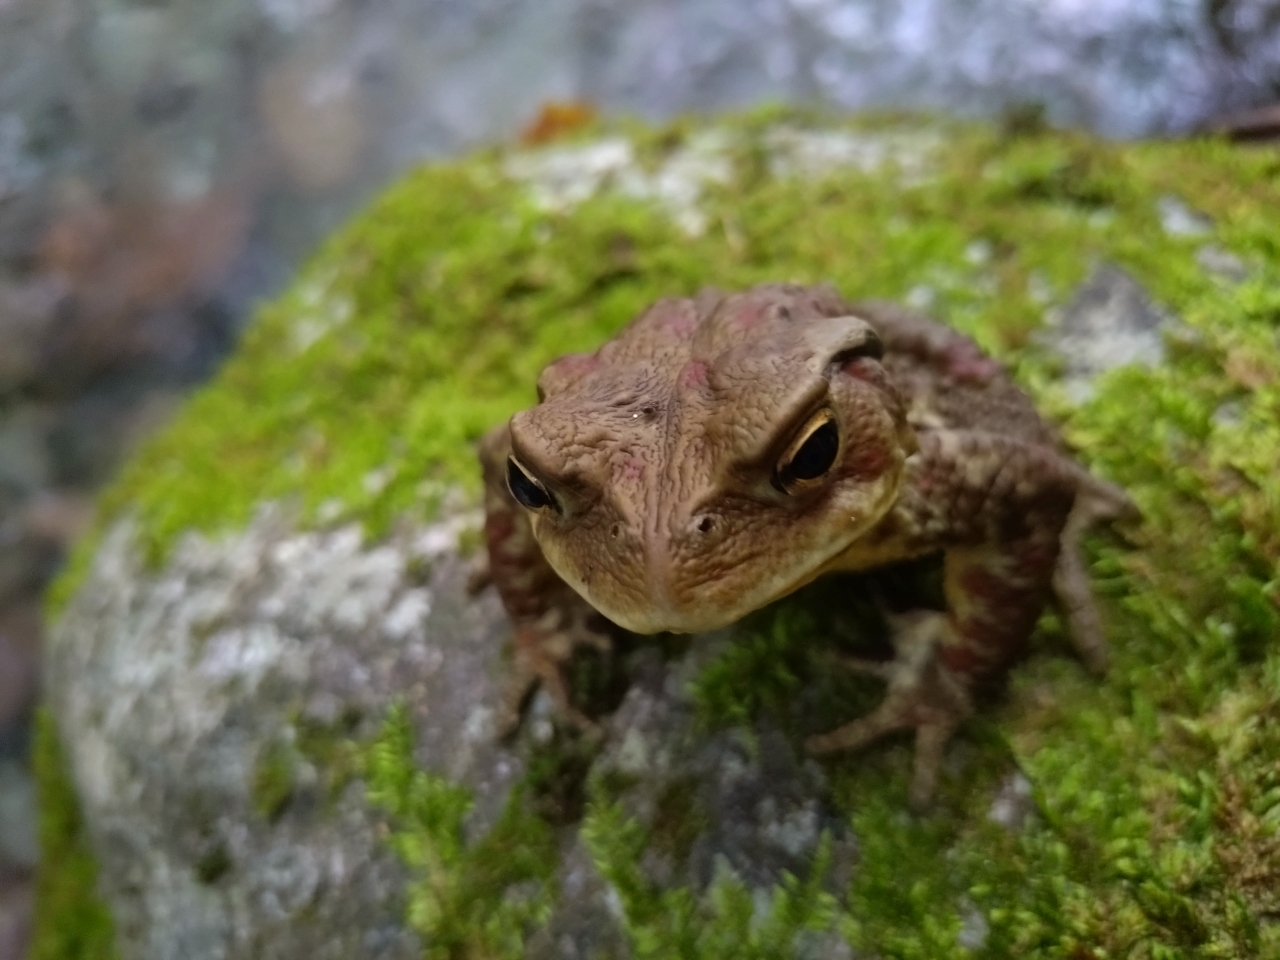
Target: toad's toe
(923, 695)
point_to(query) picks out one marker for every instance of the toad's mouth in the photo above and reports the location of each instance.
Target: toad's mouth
(708, 613)
(661, 596)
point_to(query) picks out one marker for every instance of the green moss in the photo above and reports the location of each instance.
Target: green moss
(214, 865)
(72, 923)
(331, 749)
(309, 760)
(726, 924)
(677, 819)
(467, 901)
(360, 392)
(273, 777)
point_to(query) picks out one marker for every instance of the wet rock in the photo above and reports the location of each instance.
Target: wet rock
(1110, 321)
(175, 690)
(1014, 804)
(560, 178)
(585, 924)
(1179, 220)
(215, 666)
(813, 153)
(1222, 263)
(741, 801)
(973, 929)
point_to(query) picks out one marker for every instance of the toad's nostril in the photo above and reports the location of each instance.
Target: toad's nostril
(615, 531)
(706, 525)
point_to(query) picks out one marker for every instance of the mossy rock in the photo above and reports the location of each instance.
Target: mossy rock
(286, 556)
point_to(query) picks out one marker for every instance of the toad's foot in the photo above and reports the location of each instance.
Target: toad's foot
(1096, 500)
(542, 650)
(923, 695)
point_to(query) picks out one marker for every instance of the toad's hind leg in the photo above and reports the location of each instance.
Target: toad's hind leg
(1005, 504)
(1095, 500)
(995, 593)
(1015, 513)
(922, 694)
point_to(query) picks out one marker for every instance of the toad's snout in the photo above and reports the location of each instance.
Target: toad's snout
(677, 583)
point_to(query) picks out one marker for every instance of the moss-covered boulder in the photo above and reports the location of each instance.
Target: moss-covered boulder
(275, 699)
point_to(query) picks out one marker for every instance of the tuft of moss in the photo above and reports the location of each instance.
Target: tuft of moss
(467, 901)
(359, 394)
(724, 924)
(273, 776)
(72, 923)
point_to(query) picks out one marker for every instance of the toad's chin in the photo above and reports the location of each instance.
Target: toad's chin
(653, 599)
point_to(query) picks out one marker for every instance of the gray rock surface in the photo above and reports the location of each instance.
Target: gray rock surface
(177, 691)
(1111, 321)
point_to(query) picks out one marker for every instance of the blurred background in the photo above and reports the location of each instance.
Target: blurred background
(164, 164)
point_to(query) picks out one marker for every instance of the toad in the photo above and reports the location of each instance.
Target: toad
(723, 451)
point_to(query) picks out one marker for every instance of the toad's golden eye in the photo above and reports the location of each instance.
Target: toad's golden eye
(528, 490)
(811, 455)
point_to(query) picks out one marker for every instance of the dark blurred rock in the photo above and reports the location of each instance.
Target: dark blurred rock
(26, 566)
(25, 464)
(17, 903)
(1260, 124)
(99, 428)
(121, 267)
(27, 314)
(57, 517)
(20, 629)
(35, 532)
(163, 99)
(312, 109)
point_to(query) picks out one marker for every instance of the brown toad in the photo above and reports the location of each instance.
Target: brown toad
(721, 452)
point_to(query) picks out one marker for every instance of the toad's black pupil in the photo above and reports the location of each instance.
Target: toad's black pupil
(525, 489)
(816, 454)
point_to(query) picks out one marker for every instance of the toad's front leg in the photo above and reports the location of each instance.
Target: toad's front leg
(549, 620)
(997, 508)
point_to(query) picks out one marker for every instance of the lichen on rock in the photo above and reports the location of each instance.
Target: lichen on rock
(276, 699)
